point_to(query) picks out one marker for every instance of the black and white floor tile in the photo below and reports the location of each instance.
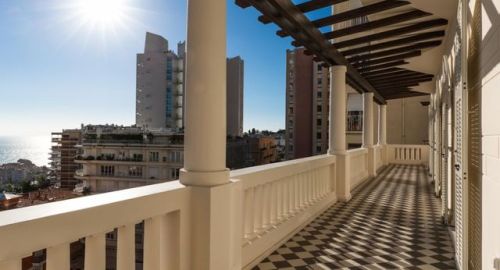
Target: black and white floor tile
(392, 222)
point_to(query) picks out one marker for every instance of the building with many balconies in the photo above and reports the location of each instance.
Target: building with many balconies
(160, 85)
(115, 158)
(62, 156)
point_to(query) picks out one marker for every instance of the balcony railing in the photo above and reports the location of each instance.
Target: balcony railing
(275, 201)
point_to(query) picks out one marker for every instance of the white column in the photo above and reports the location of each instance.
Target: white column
(215, 201)
(368, 133)
(367, 120)
(205, 131)
(338, 108)
(382, 137)
(337, 130)
(382, 132)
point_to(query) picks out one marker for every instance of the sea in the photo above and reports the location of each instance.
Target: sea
(36, 149)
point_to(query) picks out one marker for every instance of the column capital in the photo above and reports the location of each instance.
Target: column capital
(369, 94)
(339, 68)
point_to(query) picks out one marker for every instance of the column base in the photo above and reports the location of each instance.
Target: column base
(216, 227)
(204, 179)
(345, 199)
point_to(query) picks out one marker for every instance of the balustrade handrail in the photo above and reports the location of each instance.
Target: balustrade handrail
(357, 152)
(38, 227)
(263, 174)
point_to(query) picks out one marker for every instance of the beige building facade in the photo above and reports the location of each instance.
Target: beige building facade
(122, 158)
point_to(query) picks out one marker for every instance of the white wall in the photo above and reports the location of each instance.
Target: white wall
(488, 21)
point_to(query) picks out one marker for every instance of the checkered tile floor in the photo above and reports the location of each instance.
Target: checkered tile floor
(392, 222)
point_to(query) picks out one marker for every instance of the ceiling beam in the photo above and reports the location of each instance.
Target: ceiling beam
(392, 33)
(398, 78)
(412, 82)
(356, 13)
(383, 71)
(405, 95)
(395, 43)
(307, 6)
(418, 46)
(387, 59)
(389, 74)
(403, 81)
(407, 16)
(383, 66)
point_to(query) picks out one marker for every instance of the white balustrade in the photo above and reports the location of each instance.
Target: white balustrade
(277, 200)
(408, 154)
(358, 166)
(281, 198)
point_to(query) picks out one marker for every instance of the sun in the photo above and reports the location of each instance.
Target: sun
(102, 13)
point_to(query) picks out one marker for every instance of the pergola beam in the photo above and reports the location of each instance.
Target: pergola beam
(401, 77)
(413, 82)
(291, 19)
(407, 16)
(406, 95)
(358, 12)
(390, 72)
(418, 46)
(307, 7)
(388, 59)
(395, 43)
(383, 71)
(382, 66)
(392, 33)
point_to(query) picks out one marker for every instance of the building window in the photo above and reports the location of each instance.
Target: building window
(319, 94)
(175, 157)
(318, 122)
(319, 108)
(320, 81)
(175, 173)
(137, 157)
(135, 171)
(290, 110)
(318, 135)
(318, 149)
(107, 170)
(154, 156)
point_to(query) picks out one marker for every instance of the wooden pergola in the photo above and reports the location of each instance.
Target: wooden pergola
(373, 59)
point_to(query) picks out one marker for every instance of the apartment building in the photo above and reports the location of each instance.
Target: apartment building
(235, 85)
(115, 158)
(160, 87)
(63, 154)
(160, 84)
(307, 106)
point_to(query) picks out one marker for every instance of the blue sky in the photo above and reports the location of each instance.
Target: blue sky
(57, 72)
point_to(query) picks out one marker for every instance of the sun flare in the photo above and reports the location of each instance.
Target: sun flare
(102, 12)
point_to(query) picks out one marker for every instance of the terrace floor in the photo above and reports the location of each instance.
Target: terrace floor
(392, 222)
